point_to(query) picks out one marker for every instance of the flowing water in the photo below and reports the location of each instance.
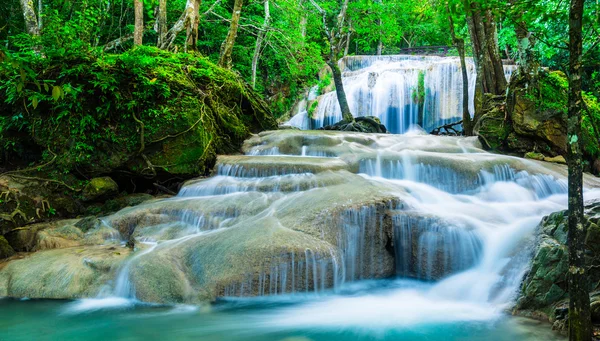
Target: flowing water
(313, 236)
(388, 87)
(321, 236)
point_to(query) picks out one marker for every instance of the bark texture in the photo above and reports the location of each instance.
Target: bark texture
(490, 72)
(227, 46)
(138, 32)
(259, 42)
(193, 20)
(580, 324)
(336, 37)
(186, 21)
(161, 28)
(460, 46)
(30, 18)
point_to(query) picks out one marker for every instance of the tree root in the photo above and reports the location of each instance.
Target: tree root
(449, 128)
(45, 180)
(34, 168)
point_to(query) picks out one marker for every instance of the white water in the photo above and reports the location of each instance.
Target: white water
(462, 221)
(385, 86)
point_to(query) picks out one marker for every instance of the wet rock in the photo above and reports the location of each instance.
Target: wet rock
(546, 284)
(100, 188)
(534, 156)
(363, 124)
(596, 167)
(88, 223)
(46, 235)
(5, 249)
(62, 273)
(557, 159)
(23, 239)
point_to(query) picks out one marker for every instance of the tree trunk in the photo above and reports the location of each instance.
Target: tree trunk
(31, 19)
(490, 72)
(162, 23)
(339, 90)
(40, 11)
(259, 41)
(227, 46)
(181, 23)
(460, 46)
(192, 22)
(580, 326)
(138, 32)
(347, 47)
(379, 41)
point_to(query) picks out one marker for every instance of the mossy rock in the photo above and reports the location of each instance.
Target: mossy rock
(363, 124)
(100, 188)
(5, 249)
(533, 116)
(534, 156)
(145, 112)
(545, 286)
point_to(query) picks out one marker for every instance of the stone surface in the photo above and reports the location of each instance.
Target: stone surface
(534, 156)
(557, 159)
(100, 188)
(362, 124)
(545, 286)
(5, 249)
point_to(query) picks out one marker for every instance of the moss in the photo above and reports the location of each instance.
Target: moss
(147, 111)
(5, 249)
(534, 156)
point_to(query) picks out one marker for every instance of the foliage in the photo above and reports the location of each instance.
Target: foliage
(97, 112)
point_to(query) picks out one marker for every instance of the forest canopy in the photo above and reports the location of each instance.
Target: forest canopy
(279, 45)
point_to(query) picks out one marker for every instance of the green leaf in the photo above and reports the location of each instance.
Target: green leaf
(56, 92)
(19, 87)
(34, 102)
(46, 87)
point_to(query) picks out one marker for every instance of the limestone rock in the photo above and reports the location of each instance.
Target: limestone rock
(5, 249)
(557, 159)
(534, 156)
(546, 284)
(100, 188)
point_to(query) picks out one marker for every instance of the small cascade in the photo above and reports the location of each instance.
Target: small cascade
(452, 179)
(430, 248)
(123, 286)
(434, 209)
(304, 272)
(389, 87)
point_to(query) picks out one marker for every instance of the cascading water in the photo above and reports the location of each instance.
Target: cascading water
(388, 87)
(306, 220)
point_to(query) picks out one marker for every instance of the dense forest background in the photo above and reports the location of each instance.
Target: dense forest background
(288, 49)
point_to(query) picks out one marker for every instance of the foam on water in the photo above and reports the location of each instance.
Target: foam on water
(386, 87)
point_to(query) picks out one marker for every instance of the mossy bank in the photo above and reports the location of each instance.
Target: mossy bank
(147, 118)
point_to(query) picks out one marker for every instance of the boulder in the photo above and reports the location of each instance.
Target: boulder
(545, 286)
(100, 188)
(5, 249)
(534, 156)
(533, 117)
(362, 124)
(557, 159)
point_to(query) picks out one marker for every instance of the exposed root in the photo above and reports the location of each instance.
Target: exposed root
(449, 128)
(45, 180)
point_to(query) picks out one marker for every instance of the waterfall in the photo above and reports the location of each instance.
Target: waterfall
(388, 86)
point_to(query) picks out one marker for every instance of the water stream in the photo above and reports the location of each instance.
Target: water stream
(388, 87)
(316, 236)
